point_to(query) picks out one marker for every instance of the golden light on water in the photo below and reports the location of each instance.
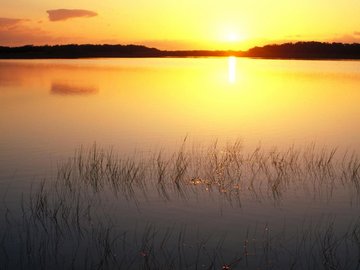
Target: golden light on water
(232, 69)
(221, 97)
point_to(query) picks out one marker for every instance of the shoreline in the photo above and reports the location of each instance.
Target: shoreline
(207, 56)
(311, 50)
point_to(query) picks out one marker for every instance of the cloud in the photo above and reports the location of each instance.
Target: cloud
(23, 36)
(9, 22)
(357, 33)
(24, 33)
(64, 14)
(346, 38)
(14, 32)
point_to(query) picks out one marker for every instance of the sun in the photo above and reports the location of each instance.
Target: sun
(232, 37)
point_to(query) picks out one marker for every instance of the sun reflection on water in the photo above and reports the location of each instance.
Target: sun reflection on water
(232, 69)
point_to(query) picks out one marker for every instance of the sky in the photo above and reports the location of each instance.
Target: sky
(185, 24)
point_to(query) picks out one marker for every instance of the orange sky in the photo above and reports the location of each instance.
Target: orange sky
(227, 24)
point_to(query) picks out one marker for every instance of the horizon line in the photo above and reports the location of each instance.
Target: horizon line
(174, 50)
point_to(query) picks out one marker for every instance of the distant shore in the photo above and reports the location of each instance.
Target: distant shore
(298, 50)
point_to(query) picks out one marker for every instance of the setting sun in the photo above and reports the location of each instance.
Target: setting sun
(184, 25)
(179, 134)
(233, 37)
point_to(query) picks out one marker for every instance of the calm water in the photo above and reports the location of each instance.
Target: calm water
(49, 108)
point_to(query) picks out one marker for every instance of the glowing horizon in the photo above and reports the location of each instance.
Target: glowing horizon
(229, 25)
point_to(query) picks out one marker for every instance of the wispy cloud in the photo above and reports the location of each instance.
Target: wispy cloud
(18, 32)
(15, 31)
(65, 14)
(357, 33)
(24, 35)
(347, 38)
(8, 22)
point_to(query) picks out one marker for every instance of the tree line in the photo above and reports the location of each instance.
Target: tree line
(298, 50)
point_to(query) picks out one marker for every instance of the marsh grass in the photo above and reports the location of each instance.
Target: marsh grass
(228, 171)
(72, 222)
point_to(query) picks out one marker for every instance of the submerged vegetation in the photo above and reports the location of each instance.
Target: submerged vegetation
(227, 170)
(76, 220)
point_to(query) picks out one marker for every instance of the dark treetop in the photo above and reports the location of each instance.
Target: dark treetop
(299, 50)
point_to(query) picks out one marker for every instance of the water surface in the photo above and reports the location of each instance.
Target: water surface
(138, 107)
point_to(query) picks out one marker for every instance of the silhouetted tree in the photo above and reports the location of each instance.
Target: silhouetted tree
(299, 50)
(307, 50)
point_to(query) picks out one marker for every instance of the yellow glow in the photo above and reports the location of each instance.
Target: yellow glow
(232, 69)
(228, 24)
(232, 37)
(290, 100)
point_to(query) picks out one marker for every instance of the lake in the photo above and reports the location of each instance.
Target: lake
(179, 163)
